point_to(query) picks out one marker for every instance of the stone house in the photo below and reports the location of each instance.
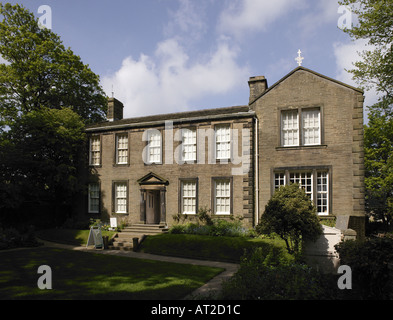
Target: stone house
(306, 128)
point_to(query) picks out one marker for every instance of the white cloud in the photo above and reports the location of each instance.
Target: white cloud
(346, 54)
(244, 16)
(168, 82)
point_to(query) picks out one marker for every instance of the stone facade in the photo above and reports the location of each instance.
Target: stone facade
(309, 131)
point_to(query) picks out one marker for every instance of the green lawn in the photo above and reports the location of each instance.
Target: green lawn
(80, 275)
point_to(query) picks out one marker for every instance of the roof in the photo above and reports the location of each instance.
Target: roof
(178, 117)
(307, 70)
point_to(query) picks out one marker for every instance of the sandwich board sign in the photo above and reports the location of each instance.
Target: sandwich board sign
(95, 237)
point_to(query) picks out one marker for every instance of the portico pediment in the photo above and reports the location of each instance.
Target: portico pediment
(153, 179)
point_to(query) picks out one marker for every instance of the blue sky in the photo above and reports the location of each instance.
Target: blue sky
(165, 56)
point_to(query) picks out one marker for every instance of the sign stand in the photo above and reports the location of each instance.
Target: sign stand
(95, 237)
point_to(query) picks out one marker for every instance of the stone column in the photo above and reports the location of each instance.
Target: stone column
(162, 206)
(143, 206)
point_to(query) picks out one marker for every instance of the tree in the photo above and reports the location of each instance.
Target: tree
(291, 214)
(375, 25)
(378, 146)
(42, 156)
(47, 96)
(41, 73)
(376, 70)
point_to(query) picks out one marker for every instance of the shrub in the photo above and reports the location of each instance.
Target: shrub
(291, 214)
(270, 275)
(369, 264)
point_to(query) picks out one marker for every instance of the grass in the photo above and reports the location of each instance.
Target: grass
(80, 275)
(221, 248)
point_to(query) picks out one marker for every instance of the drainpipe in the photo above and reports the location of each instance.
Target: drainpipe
(256, 174)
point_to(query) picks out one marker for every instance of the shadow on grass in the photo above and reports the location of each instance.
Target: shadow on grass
(79, 275)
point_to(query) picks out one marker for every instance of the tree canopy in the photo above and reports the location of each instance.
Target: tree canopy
(47, 96)
(41, 72)
(375, 70)
(376, 26)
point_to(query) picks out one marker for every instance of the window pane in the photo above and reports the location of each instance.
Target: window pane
(304, 179)
(120, 197)
(311, 127)
(189, 197)
(223, 196)
(223, 142)
(279, 180)
(122, 149)
(289, 128)
(94, 197)
(189, 144)
(95, 150)
(322, 193)
(154, 148)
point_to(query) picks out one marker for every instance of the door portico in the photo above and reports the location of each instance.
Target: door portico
(153, 199)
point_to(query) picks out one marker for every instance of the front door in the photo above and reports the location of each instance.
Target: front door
(152, 207)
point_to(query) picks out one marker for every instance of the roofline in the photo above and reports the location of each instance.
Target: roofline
(177, 118)
(311, 71)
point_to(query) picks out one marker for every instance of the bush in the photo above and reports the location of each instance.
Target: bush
(291, 214)
(12, 238)
(270, 275)
(369, 264)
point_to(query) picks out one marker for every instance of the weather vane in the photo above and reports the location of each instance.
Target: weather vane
(299, 58)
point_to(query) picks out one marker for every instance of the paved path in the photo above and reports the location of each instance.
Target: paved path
(214, 285)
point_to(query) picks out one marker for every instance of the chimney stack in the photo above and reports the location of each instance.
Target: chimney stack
(257, 85)
(115, 110)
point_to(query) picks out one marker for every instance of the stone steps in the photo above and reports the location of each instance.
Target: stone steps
(124, 240)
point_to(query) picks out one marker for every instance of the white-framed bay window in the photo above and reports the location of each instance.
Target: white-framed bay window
(315, 183)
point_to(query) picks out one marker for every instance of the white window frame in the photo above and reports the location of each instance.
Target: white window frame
(189, 144)
(122, 147)
(279, 180)
(305, 181)
(189, 196)
(120, 197)
(154, 147)
(95, 151)
(322, 193)
(315, 183)
(311, 126)
(94, 198)
(222, 197)
(223, 141)
(290, 128)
